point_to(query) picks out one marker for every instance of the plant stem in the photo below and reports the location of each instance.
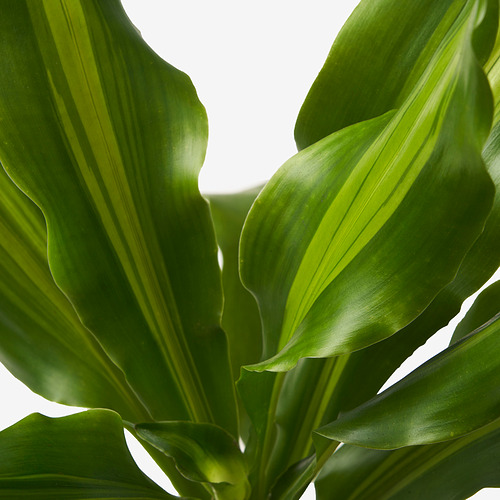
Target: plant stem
(323, 393)
(269, 435)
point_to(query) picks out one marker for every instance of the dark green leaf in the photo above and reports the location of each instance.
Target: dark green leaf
(451, 395)
(453, 470)
(77, 457)
(240, 318)
(376, 60)
(485, 307)
(42, 342)
(202, 452)
(108, 140)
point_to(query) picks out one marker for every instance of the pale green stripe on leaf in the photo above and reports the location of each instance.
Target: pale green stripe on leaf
(107, 183)
(39, 323)
(379, 181)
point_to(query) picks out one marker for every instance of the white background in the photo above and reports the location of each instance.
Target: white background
(252, 64)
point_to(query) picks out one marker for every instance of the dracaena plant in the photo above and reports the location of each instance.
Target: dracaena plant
(242, 383)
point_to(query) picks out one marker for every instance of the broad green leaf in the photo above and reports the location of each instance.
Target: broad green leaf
(330, 245)
(204, 453)
(42, 341)
(347, 381)
(451, 395)
(453, 470)
(108, 140)
(485, 307)
(376, 60)
(365, 371)
(240, 318)
(77, 457)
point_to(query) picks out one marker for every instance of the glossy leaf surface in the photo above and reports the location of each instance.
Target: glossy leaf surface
(365, 371)
(452, 470)
(485, 307)
(108, 140)
(434, 402)
(66, 363)
(77, 457)
(204, 453)
(376, 60)
(344, 221)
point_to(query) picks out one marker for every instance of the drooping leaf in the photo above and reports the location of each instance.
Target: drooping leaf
(42, 341)
(204, 453)
(451, 470)
(77, 457)
(355, 235)
(108, 140)
(454, 393)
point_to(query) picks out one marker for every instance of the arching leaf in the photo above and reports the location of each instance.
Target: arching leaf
(108, 140)
(204, 453)
(330, 245)
(454, 393)
(82, 456)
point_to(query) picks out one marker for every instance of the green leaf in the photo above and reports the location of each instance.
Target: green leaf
(452, 470)
(365, 371)
(204, 453)
(240, 318)
(77, 457)
(108, 140)
(43, 343)
(485, 307)
(355, 235)
(451, 395)
(376, 60)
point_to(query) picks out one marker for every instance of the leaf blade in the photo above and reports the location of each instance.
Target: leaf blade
(83, 454)
(38, 323)
(450, 470)
(118, 174)
(341, 223)
(204, 453)
(436, 402)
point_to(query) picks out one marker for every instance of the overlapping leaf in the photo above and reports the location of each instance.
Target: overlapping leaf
(77, 457)
(434, 402)
(43, 342)
(108, 140)
(376, 60)
(240, 318)
(451, 470)
(348, 381)
(204, 453)
(363, 228)
(456, 468)
(365, 371)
